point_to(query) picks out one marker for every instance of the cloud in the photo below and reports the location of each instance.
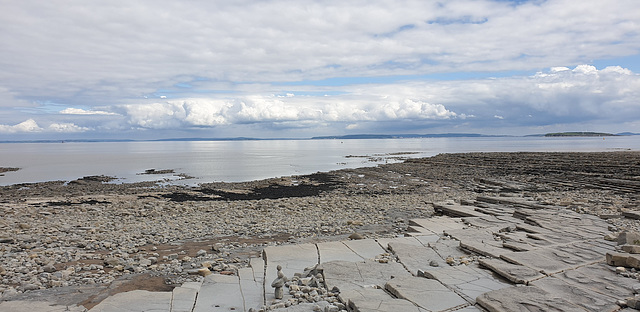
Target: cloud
(66, 128)
(159, 64)
(79, 111)
(274, 109)
(568, 95)
(93, 54)
(25, 126)
(31, 126)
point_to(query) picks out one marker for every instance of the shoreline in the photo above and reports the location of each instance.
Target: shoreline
(91, 234)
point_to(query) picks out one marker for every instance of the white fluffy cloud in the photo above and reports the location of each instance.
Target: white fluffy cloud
(559, 95)
(25, 126)
(272, 109)
(554, 96)
(31, 126)
(66, 128)
(79, 111)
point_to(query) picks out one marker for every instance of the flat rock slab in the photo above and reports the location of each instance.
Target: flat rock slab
(437, 225)
(135, 301)
(365, 248)
(252, 290)
(485, 249)
(257, 267)
(425, 240)
(384, 242)
(474, 234)
(37, 306)
(552, 260)
(183, 299)
(456, 210)
(375, 300)
(486, 221)
(448, 248)
(336, 251)
(292, 258)
(518, 274)
(513, 201)
(469, 281)
(303, 307)
(577, 295)
(539, 261)
(417, 231)
(600, 278)
(356, 275)
(426, 293)
(417, 258)
(525, 298)
(219, 293)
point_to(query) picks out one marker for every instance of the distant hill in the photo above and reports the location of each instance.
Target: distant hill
(209, 139)
(627, 133)
(403, 136)
(579, 134)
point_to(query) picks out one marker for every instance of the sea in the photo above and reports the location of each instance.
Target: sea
(195, 162)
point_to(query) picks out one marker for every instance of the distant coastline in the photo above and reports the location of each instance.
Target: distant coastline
(338, 137)
(580, 134)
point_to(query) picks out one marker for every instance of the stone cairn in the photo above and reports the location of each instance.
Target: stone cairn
(278, 283)
(304, 288)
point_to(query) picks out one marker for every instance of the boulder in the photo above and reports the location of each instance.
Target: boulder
(617, 258)
(633, 249)
(629, 238)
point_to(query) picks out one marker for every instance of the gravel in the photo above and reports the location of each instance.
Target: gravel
(92, 232)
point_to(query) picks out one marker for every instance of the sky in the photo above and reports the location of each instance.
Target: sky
(152, 69)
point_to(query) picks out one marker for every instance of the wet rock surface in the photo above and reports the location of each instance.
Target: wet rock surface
(87, 233)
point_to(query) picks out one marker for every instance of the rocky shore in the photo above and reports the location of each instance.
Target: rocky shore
(58, 237)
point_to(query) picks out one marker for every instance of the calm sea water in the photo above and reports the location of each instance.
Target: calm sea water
(233, 161)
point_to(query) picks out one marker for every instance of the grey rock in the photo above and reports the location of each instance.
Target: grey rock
(524, 298)
(634, 249)
(425, 293)
(417, 258)
(599, 278)
(629, 238)
(336, 251)
(577, 294)
(29, 286)
(136, 301)
(49, 268)
(518, 274)
(356, 275)
(468, 280)
(372, 299)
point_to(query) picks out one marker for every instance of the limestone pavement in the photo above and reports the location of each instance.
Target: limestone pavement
(493, 254)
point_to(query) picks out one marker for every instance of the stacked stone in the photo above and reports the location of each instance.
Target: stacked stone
(305, 288)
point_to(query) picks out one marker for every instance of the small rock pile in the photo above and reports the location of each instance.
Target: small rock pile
(627, 262)
(306, 288)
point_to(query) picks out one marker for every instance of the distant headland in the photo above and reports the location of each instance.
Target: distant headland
(580, 134)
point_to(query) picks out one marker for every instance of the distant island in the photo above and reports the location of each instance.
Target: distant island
(404, 136)
(579, 134)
